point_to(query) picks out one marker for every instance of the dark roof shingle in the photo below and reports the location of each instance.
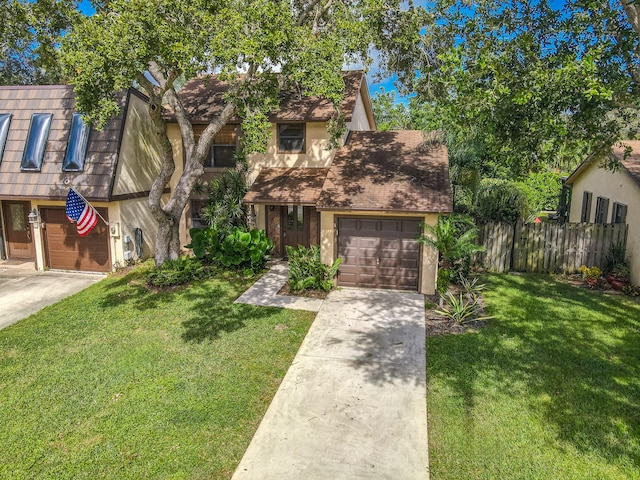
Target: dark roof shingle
(631, 162)
(275, 186)
(388, 171)
(202, 98)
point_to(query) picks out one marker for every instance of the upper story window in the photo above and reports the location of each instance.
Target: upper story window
(602, 207)
(223, 149)
(586, 207)
(5, 120)
(619, 213)
(291, 137)
(77, 146)
(36, 142)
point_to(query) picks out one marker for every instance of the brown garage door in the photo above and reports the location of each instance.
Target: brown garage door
(379, 253)
(67, 250)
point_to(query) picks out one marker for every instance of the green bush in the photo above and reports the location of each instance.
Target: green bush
(307, 272)
(177, 272)
(502, 201)
(238, 249)
(542, 190)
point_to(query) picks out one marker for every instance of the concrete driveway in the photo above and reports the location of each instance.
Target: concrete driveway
(24, 292)
(353, 403)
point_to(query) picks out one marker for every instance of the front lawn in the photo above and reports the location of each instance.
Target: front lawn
(549, 389)
(121, 382)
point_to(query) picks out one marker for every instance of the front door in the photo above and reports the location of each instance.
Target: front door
(18, 230)
(295, 227)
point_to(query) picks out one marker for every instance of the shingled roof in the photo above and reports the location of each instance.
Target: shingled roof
(630, 162)
(275, 186)
(51, 182)
(202, 98)
(391, 171)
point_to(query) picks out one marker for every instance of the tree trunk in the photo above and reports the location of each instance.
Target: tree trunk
(167, 240)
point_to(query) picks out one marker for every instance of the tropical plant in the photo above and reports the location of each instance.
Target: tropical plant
(463, 308)
(616, 260)
(471, 287)
(306, 270)
(454, 238)
(239, 249)
(177, 272)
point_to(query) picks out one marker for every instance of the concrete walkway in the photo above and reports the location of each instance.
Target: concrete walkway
(353, 403)
(265, 292)
(24, 292)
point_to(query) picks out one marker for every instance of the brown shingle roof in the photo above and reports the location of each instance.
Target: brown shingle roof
(102, 151)
(388, 171)
(275, 186)
(631, 162)
(202, 99)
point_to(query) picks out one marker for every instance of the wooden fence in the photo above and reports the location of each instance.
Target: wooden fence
(546, 247)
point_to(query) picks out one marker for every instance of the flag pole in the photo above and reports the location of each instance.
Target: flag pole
(87, 202)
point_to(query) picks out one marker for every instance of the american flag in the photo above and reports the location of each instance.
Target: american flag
(81, 212)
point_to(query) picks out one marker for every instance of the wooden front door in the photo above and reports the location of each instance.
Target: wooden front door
(18, 230)
(295, 227)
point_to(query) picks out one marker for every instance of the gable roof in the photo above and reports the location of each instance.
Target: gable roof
(202, 98)
(629, 163)
(51, 182)
(393, 171)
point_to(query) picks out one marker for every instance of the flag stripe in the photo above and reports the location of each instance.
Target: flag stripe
(81, 212)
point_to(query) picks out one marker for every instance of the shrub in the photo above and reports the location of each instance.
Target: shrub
(241, 249)
(177, 272)
(502, 201)
(307, 272)
(463, 308)
(454, 238)
(543, 190)
(616, 260)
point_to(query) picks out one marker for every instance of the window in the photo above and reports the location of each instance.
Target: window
(5, 120)
(619, 213)
(77, 146)
(586, 207)
(291, 137)
(223, 149)
(36, 142)
(197, 208)
(602, 207)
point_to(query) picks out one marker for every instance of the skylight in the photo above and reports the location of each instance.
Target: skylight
(5, 120)
(36, 142)
(77, 146)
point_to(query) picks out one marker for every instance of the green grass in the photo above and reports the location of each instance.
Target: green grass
(120, 382)
(550, 389)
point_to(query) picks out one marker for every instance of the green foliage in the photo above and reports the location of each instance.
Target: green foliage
(443, 280)
(31, 33)
(631, 290)
(472, 287)
(502, 201)
(225, 206)
(454, 238)
(463, 308)
(616, 258)
(390, 115)
(542, 190)
(177, 272)
(306, 270)
(237, 248)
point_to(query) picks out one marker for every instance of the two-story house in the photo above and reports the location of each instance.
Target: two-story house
(364, 202)
(46, 149)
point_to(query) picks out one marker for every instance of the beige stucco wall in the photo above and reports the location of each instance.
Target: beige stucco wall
(429, 266)
(359, 118)
(617, 187)
(134, 214)
(140, 159)
(316, 154)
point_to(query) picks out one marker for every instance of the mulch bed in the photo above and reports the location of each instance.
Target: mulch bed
(438, 325)
(286, 290)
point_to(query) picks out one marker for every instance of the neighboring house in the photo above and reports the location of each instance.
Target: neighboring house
(603, 196)
(45, 149)
(364, 202)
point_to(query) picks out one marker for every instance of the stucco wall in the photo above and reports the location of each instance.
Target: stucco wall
(316, 154)
(429, 264)
(139, 160)
(359, 119)
(134, 214)
(617, 187)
